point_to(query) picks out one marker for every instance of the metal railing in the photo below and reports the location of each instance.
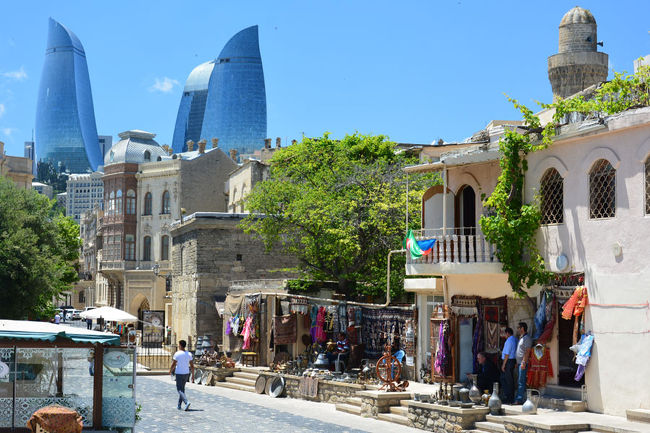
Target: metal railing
(456, 245)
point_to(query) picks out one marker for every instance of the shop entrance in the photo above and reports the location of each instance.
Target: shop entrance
(566, 363)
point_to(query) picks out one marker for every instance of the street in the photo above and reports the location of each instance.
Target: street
(225, 410)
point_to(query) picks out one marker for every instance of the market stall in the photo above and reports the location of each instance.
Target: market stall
(42, 364)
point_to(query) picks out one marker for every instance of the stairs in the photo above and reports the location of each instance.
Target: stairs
(352, 405)
(397, 414)
(243, 380)
(638, 415)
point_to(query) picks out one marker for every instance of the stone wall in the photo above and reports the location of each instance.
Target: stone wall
(209, 250)
(444, 419)
(376, 402)
(328, 391)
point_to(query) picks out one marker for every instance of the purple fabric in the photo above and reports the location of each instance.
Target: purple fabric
(580, 372)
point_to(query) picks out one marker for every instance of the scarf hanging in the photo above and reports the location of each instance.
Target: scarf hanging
(285, 329)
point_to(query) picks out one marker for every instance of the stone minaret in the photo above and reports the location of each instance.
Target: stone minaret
(577, 65)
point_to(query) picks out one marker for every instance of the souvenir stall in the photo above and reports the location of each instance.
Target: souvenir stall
(566, 299)
(43, 364)
(242, 324)
(469, 325)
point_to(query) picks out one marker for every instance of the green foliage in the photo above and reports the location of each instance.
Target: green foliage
(48, 174)
(339, 206)
(510, 223)
(38, 250)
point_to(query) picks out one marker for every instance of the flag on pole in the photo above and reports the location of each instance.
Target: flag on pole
(418, 248)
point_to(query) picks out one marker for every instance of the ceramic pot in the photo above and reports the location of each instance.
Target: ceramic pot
(530, 406)
(495, 402)
(464, 395)
(474, 393)
(485, 397)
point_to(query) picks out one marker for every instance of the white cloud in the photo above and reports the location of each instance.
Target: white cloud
(18, 75)
(164, 85)
(8, 131)
(2, 109)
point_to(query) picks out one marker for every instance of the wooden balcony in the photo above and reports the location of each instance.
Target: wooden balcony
(456, 251)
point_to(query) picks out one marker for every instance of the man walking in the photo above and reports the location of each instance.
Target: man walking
(523, 353)
(508, 366)
(182, 365)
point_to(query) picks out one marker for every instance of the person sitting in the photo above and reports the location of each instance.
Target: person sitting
(487, 372)
(342, 349)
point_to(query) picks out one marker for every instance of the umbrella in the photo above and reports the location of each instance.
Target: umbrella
(109, 314)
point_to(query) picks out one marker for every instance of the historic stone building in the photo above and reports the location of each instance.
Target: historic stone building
(16, 168)
(174, 185)
(578, 64)
(209, 251)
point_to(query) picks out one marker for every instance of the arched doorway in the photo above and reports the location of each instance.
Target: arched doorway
(466, 220)
(144, 306)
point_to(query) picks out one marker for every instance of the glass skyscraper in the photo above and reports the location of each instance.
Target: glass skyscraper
(66, 133)
(226, 98)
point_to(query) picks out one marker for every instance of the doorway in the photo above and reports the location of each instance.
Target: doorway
(566, 364)
(466, 206)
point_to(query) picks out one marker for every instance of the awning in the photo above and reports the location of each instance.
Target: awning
(43, 331)
(109, 314)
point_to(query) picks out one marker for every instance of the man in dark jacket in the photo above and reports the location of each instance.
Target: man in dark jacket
(488, 373)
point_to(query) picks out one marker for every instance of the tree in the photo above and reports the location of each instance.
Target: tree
(38, 250)
(339, 206)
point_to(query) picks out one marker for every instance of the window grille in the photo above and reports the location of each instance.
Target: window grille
(647, 186)
(602, 190)
(552, 191)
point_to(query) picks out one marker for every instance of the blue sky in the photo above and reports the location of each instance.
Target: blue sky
(413, 70)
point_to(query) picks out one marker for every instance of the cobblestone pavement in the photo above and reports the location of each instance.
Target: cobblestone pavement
(225, 410)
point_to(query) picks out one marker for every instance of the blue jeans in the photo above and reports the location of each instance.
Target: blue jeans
(521, 384)
(181, 380)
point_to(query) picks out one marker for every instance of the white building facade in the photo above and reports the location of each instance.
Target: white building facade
(83, 193)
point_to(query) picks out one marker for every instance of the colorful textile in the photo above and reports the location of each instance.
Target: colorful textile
(576, 304)
(417, 248)
(491, 337)
(382, 326)
(547, 333)
(540, 317)
(248, 325)
(285, 329)
(442, 361)
(319, 333)
(56, 419)
(540, 369)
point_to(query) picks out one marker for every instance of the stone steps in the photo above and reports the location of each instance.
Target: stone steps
(394, 418)
(244, 375)
(236, 386)
(399, 410)
(638, 415)
(348, 408)
(354, 401)
(487, 426)
(241, 381)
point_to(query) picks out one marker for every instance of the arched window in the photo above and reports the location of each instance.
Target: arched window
(647, 186)
(552, 191)
(118, 202)
(165, 203)
(146, 249)
(602, 190)
(147, 156)
(111, 203)
(164, 247)
(130, 202)
(129, 247)
(147, 204)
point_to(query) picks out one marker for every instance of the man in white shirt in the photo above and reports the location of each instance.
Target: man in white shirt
(182, 366)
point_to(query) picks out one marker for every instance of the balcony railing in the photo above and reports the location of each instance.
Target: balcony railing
(456, 245)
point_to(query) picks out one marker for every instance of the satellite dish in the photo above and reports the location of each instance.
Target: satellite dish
(562, 263)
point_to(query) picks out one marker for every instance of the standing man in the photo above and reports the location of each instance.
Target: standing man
(523, 353)
(182, 366)
(508, 366)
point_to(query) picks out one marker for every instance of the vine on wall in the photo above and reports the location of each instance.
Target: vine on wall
(511, 224)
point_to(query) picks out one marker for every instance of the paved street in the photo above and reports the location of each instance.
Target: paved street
(225, 410)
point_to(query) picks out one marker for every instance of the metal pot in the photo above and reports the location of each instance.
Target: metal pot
(530, 406)
(322, 361)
